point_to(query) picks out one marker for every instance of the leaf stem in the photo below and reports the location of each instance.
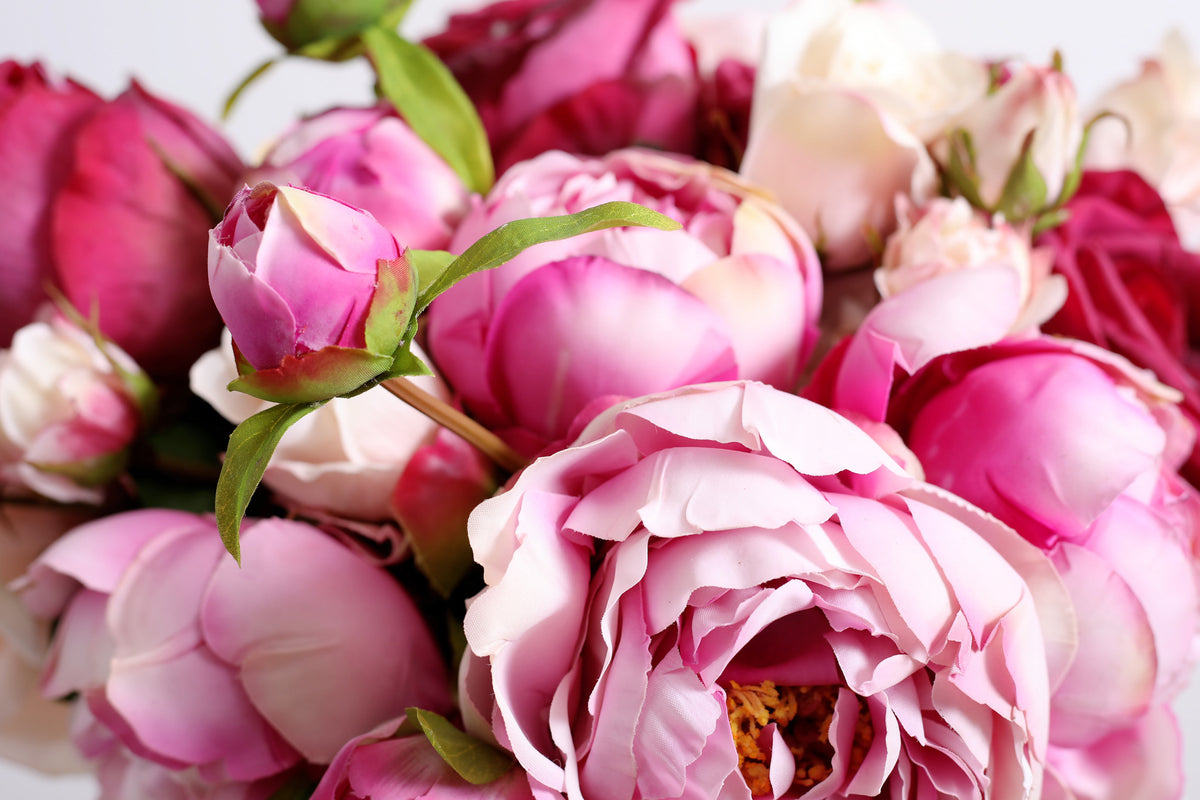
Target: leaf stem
(454, 420)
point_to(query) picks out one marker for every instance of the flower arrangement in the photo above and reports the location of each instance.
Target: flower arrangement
(608, 410)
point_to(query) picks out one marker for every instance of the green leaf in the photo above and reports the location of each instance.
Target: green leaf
(428, 264)
(507, 241)
(425, 93)
(475, 760)
(250, 447)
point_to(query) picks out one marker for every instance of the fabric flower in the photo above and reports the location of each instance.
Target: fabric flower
(949, 235)
(1133, 286)
(285, 658)
(370, 159)
(848, 95)
(111, 202)
(69, 412)
(584, 76)
(566, 328)
(1152, 126)
(727, 591)
(316, 293)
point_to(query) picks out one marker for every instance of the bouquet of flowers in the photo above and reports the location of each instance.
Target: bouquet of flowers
(620, 407)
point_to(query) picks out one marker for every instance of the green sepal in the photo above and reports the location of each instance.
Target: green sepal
(476, 761)
(425, 93)
(87, 472)
(250, 447)
(960, 174)
(312, 377)
(245, 84)
(391, 306)
(1025, 193)
(429, 264)
(1048, 220)
(328, 29)
(507, 241)
(136, 384)
(406, 363)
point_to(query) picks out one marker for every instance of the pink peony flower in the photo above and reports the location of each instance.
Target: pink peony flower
(369, 158)
(316, 293)
(33, 730)
(240, 673)
(949, 235)
(1077, 451)
(39, 116)
(565, 328)
(848, 95)
(111, 202)
(69, 411)
(584, 76)
(1134, 289)
(727, 591)
(1079, 454)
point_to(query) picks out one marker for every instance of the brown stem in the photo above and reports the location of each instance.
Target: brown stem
(454, 420)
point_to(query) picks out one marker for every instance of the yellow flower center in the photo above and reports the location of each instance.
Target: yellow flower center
(803, 715)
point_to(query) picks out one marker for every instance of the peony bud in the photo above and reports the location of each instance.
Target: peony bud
(296, 23)
(316, 293)
(68, 412)
(1015, 151)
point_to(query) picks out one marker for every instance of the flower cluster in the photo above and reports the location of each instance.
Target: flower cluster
(766, 407)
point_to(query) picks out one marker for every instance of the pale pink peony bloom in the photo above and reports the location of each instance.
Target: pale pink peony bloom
(67, 413)
(1023, 142)
(369, 158)
(949, 235)
(33, 730)
(345, 457)
(241, 673)
(1143, 760)
(847, 95)
(1079, 452)
(568, 327)
(111, 202)
(698, 552)
(1155, 130)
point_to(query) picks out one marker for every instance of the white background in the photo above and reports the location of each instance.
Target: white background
(195, 52)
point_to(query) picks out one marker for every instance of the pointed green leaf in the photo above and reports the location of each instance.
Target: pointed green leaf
(507, 241)
(475, 760)
(425, 93)
(428, 264)
(250, 447)
(1025, 191)
(406, 363)
(391, 306)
